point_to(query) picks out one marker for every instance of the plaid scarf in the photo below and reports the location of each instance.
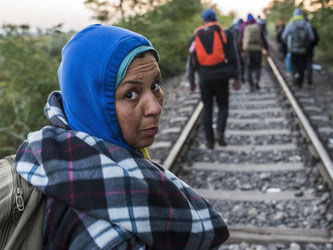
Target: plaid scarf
(101, 196)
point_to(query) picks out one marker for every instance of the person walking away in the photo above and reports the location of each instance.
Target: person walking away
(298, 35)
(234, 29)
(282, 47)
(213, 55)
(251, 42)
(313, 44)
(262, 23)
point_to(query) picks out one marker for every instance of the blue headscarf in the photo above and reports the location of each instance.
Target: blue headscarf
(93, 64)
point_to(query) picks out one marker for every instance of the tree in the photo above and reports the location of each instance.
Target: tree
(106, 11)
(28, 74)
(322, 19)
(279, 9)
(169, 28)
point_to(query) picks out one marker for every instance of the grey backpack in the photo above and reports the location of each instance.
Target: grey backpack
(22, 208)
(252, 40)
(299, 39)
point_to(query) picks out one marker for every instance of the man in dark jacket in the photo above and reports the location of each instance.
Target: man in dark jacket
(213, 78)
(235, 30)
(279, 30)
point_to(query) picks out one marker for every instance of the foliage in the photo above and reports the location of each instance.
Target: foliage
(28, 74)
(105, 10)
(279, 9)
(322, 19)
(169, 28)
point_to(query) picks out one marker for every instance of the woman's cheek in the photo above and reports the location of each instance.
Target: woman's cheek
(162, 98)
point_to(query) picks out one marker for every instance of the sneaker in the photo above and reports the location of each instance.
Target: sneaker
(296, 78)
(257, 86)
(221, 141)
(210, 145)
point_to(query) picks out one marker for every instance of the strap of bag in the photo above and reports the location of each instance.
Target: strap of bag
(221, 34)
(22, 207)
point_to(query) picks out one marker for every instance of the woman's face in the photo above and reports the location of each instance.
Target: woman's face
(139, 100)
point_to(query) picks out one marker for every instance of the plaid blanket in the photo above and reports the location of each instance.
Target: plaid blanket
(101, 196)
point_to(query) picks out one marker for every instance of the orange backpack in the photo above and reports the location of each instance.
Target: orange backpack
(209, 44)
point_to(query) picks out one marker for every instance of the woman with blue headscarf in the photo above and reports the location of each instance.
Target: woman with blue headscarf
(102, 190)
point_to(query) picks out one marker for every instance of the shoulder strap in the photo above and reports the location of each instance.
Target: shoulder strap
(225, 44)
(7, 177)
(218, 32)
(22, 207)
(211, 24)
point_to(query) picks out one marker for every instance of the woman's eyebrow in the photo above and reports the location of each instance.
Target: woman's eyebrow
(139, 82)
(134, 82)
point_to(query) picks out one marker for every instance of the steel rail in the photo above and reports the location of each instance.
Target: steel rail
(267, 235)
(174, 152)
(318, 146)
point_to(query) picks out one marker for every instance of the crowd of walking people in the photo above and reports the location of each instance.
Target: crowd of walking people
(220, 55)
(238, 53)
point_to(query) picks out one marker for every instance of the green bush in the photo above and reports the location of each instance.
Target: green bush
(169, 27)
(28, 74)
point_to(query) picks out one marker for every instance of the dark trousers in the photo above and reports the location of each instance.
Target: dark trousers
(252, 60)
(309, 67)
(298, 66)
(219, 89)
(242, 69)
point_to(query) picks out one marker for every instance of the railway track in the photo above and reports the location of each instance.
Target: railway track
(272, 182)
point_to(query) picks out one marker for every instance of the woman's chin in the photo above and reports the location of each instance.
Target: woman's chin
(145, 143)
(148, 144)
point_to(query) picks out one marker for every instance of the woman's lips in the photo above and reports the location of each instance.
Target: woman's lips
(151, 131)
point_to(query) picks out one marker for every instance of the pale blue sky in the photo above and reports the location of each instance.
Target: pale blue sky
(74, 15)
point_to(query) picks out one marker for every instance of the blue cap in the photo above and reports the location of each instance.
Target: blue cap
(209, 16)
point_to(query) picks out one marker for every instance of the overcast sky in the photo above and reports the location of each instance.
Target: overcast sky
(74, 15)
(242, 7)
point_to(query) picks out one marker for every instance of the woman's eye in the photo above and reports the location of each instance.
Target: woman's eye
(155, 86)
(131, 95)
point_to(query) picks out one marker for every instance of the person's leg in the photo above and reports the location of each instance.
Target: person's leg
(302, 63)
(295, 67)
(242, 69)
(206, 91)
(222, 98)
(309, 68)
(257, 68)
(247, 61)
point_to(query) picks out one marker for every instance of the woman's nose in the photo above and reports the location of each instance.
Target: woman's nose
(152, 106)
